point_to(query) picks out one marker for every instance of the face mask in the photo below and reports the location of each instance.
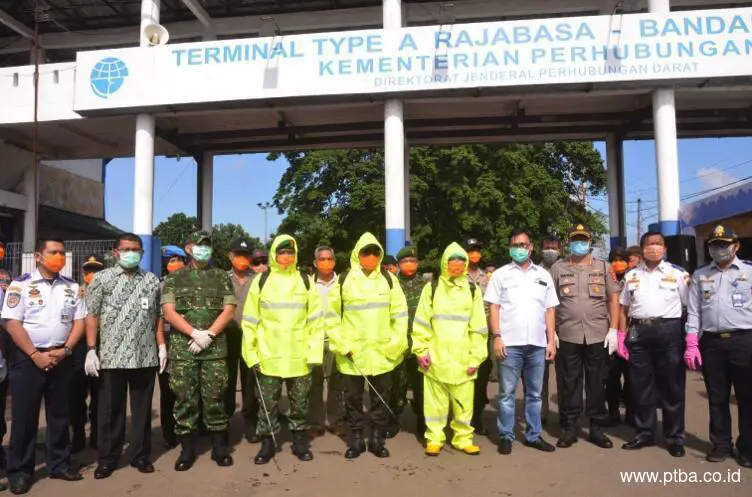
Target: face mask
(53, 263)
(408, 268)
(325, 267)
(455, 268)
(721, 254)
(88, 278)
(519, 254)
(285, 260)
(579, 248)
(2, 252)
(392, 269)
(474, 256)
(241, 263)
(619, 267)
(129, 260)
(654, 253)
(369, 262)
(174, 266)
(202, 253)
(550, 256)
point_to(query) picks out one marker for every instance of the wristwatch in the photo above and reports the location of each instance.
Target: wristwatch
(68, 351)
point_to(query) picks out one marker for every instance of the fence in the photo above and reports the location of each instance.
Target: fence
(18, 262)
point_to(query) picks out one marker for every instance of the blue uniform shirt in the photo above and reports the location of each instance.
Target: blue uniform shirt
(720, 300)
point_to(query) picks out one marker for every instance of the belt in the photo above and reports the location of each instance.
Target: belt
(723, 334)
(652, 321)
(47, 349)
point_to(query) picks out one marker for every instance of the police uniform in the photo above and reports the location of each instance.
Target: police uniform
(655, 342)
(720, 310)
(47, 310)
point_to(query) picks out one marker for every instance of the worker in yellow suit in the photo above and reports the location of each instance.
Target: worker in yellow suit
(449, 341)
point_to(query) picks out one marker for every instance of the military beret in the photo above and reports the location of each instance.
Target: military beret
(200, 236)
(409, 251)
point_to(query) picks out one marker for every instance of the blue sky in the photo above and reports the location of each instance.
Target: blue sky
(241, 181)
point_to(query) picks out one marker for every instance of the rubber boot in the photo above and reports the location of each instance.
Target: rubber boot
(188, 452)
(300, 446)
(219, 453)
(267, 450)
(376, 445)
(355, 445)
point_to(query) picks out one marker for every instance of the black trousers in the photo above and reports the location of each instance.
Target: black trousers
(354, 388)
(658, 376)
(29, 385)
(166, 408)
(616, 392)
(416, 383)
(114, 389)
(84, 388)
(573, 362)
(235, 362)
(480, 399)
(727, 362)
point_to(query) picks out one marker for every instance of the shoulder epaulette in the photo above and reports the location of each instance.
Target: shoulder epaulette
(676, 266)
(66, 279)
(23, 277)
(749, 263)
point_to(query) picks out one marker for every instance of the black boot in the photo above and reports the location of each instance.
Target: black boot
(300, 446)
(188, 452)
(267, 450)
(355, 445)
(376, 445)
(219, 453)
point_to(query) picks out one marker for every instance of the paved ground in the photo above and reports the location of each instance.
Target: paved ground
(581, 470)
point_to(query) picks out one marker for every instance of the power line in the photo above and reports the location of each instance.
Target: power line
(700, 176)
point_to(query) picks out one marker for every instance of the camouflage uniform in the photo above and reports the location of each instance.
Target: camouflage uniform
(198, 381)
(297, 392)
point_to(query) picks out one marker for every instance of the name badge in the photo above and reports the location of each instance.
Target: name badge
(145, 303)
(738, 300)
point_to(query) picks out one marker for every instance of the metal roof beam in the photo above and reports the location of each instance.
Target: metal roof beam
(16, 25)
(198, 10)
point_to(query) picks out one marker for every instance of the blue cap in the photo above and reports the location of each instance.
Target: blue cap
(723, 234)
(170, 251)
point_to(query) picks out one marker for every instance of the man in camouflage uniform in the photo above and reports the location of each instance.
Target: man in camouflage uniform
(199, 302)
(407, 372)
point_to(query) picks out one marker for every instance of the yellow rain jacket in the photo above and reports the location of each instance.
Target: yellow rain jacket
(371, 318)
(283, 322)
(451, 327)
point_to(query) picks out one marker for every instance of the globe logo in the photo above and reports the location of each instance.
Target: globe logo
(108, 76)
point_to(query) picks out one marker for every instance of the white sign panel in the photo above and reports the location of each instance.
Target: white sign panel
(638, 47)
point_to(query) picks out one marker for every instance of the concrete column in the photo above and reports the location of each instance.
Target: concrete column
(394, 150)
(30, 188)
(205, 189)
(408, 235)
(615, 176)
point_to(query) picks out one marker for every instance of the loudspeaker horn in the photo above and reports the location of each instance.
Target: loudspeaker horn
(156, 34)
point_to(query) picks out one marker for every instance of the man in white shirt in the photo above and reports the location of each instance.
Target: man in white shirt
(522, 301)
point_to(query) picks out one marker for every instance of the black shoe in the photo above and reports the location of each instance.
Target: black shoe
(252, 439)
(505, 447)
(187, 453)
(718, 454)
(20, 484)
(392, 431)
(67, 475)
(300, 446)
(676, 450)
(356, 445)
(479, 428)
(376, 444)
(597, 437)
(219, 453)
(744, 460)
(143, 466)
(267, 451)
(250, 433)
(567, 439)
(103, 471)
(637, 444)
(540, 445)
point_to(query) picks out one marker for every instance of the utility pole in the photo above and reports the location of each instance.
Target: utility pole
(265, 207)
(639, 219)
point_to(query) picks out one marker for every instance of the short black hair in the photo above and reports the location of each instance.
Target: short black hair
(129, 237)
(634, 250)
(42, 243)
(618, 253)
(551, 239)
(521, 231)
(648, 235)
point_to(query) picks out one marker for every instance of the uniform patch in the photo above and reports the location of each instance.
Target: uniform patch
(14, 298)
(34, 292)
(15, 288)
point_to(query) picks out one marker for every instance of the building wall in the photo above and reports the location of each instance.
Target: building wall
(70, 191)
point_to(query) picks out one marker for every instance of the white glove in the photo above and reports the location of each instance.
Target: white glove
(162, 354)
(194, 347)
(202, 338)
(556, 340)
(612, 341)
(3, 368)
(91, 366)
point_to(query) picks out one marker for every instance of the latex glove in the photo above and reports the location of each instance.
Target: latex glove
(202, 337)
(692, 357)
(194, 347)
(162, 354)
(621, 346)
(3, 368)
(424, 362)
(91, 365)
(556, 340)
(612, 341)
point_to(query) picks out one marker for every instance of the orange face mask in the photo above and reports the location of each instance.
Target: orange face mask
(455, 268)
(619, 266)
(369, 262)
(474, 256)
(54, 263)
(241, 263)
(325, 267)
(2, 252)
(88, 278)
(174, 266)
(285, 260)
(409, 268)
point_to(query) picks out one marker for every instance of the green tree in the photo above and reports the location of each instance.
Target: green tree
(223, 235)
(176, 229)
(484, 191)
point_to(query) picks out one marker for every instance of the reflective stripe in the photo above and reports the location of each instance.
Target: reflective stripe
(316, 317)
(419, 321)
(481, 331)
(451, 317)
(283, 305)
(400, 315)
(331, 314)
(370, 305)
(250, 319)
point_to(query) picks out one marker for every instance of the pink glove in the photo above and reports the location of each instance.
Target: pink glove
(424, 362)
(621, 347)
(692, 357)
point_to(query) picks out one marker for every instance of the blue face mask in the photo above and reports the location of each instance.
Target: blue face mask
(129, 260)
(579, 247)
(519, 254)
(202, 253)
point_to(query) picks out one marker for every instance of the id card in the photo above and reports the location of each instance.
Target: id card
(145, 303)
(737, 299)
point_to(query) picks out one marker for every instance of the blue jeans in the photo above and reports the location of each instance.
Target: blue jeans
(529, 361)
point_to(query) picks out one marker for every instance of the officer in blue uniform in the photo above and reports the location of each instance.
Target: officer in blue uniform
(720, 313)
(44, 316)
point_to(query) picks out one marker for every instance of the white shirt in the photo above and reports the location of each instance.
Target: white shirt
(324, 288)
(46, 310)
(524, 297)
(659, 293)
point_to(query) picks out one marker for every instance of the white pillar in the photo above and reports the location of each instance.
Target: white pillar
(615, 178)
(666, 147)
(408, 235)
(394, 150)
(30, 189)
(206, 189)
